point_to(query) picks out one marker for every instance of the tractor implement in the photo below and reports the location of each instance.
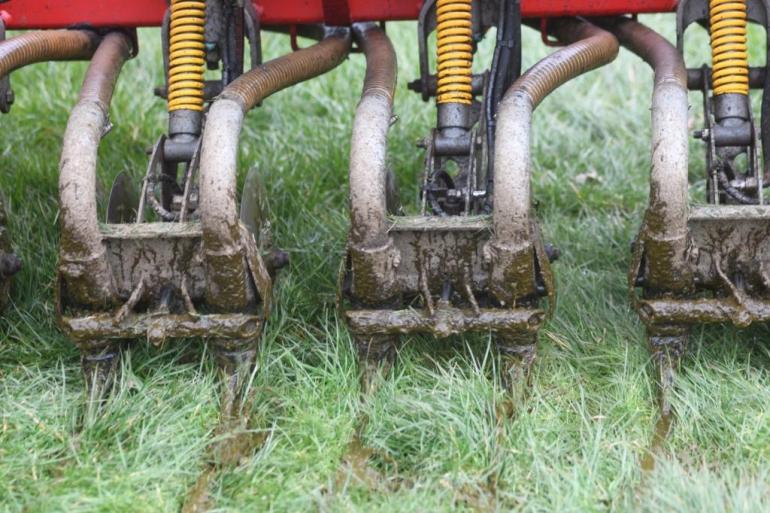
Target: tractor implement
(182, 261)
(709, 262)
(473, 258)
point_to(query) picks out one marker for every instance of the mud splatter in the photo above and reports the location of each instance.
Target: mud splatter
(198, 497)
(666, 366)
(662, 429)
(356, 468)
(235, 440)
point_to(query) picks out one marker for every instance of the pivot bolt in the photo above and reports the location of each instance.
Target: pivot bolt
(702, 134)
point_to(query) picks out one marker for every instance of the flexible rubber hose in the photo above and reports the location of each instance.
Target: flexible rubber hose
(251, 88)
(369, 142)
(46, 45)
(589, 47)
(227, 288)
(102, 74)
(511, 249)
(653, 48)
(380, 75)
(83, 261)
(665, 232)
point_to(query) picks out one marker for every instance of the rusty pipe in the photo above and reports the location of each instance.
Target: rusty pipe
(227, 280)
(368, 147)
(46, 45)
(83, 262)
(664, 232)
(589, 47)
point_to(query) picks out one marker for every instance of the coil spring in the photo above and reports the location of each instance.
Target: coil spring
(729, 51)
(454, 47)
(187, 55)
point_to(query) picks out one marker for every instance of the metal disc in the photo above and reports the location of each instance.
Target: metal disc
(253, 212)
(392, 197)
(122, 205)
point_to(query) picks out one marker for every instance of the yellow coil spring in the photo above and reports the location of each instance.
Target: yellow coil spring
(187, 54)
(729, 51)
(454, 46)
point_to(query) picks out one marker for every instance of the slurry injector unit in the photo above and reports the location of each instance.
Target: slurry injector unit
(703, 253)
(473, 257)
(191, 256)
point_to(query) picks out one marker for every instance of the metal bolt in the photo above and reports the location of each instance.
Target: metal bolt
(702, 134)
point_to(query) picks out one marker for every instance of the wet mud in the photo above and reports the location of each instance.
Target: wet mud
(358, 468)
(235, 440)
(667, 375)
(358, 465)
(656, 447)
(374, 470)
(198, 497)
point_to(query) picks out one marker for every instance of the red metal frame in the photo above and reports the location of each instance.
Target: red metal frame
(28, 14)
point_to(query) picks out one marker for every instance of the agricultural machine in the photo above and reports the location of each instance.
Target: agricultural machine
(188, 258)
(706, 263)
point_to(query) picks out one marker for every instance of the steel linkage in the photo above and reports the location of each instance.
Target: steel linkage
(473, 259)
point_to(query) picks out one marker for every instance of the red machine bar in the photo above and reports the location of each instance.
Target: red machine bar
(39, 14)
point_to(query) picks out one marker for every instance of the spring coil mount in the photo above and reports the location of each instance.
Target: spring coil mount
(454, 47)
(187, 55)
(729, 50)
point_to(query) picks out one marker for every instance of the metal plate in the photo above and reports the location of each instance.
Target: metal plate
(123, 201)
(25, 14)
(443, 248)
(253, 208)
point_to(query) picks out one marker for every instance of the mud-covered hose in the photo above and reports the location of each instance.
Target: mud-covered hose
(589, 47)
(368, 147)
(514, 246)
(102, 74)
(46, 45)
(664, 233)
(251, 88)
(226, 281)
(381, 65)
(82, 256)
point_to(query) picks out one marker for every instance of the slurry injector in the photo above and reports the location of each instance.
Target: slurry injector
(187, 258)
(708, 262)
(472, 258)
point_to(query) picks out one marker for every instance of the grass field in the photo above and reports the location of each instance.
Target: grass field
(434, 440)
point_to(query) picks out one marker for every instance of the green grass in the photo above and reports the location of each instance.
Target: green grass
(432, 429)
